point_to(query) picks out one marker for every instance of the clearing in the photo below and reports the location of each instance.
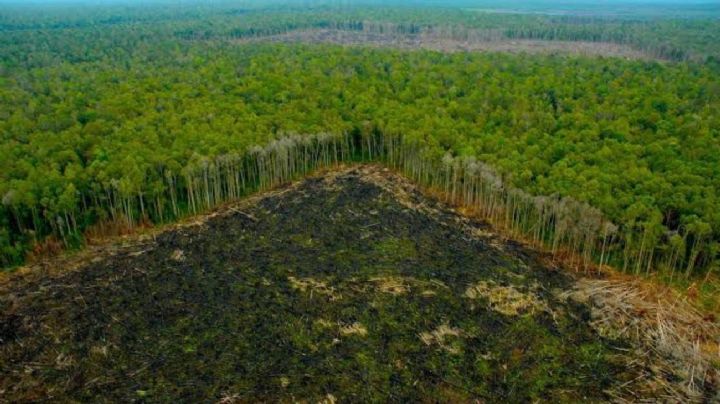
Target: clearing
(442, 43)
(347, 286)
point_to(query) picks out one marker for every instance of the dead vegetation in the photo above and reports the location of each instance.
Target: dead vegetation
(507, 300)
(353, 329)
(435, 41)
(442, 337)
(393, 285)
(313, 286)
(397, 285)
(674, 340)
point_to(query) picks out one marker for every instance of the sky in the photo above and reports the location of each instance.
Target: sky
(664, 7)
(549, 3)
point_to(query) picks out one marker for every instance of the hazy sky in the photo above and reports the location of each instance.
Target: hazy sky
(534, 5)
(498, 3)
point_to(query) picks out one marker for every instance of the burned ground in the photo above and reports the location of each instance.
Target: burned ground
(338, 287)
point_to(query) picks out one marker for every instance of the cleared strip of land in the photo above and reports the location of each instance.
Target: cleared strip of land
(435, 41)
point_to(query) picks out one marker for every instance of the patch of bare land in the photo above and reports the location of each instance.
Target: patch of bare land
(435, 41)
(351, 285)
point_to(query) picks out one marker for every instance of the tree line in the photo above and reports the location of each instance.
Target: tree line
(97, 128)
(667, 39)
(562, 225)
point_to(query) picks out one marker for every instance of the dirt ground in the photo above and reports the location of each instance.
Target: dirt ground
(350, 286)
(436, 42)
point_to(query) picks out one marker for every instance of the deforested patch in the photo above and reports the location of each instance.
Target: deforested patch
(350, 286)
(507, 300)
(410, 196)
(438, 42)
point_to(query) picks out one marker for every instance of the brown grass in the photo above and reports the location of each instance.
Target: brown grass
(439, 336)
(313, 286)
(678, 340)
(506, 299)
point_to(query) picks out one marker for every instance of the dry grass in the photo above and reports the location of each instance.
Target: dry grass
(353, 329)
(506, 299)
(329, 399)
(394, 285)
(400, 285)
(313, 286)
(675, 339)
(178, 255)
(440, 336)
(400, 187)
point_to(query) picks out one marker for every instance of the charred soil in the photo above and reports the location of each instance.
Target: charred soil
(350, 286)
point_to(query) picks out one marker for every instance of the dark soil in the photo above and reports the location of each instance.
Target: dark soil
(333, 289)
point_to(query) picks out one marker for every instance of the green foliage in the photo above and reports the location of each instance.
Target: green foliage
(109, 120)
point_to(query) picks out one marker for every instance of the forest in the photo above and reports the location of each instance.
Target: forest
(145, 115)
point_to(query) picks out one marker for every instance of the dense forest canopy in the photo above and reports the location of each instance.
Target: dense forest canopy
(660, 36)
(119, 103)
